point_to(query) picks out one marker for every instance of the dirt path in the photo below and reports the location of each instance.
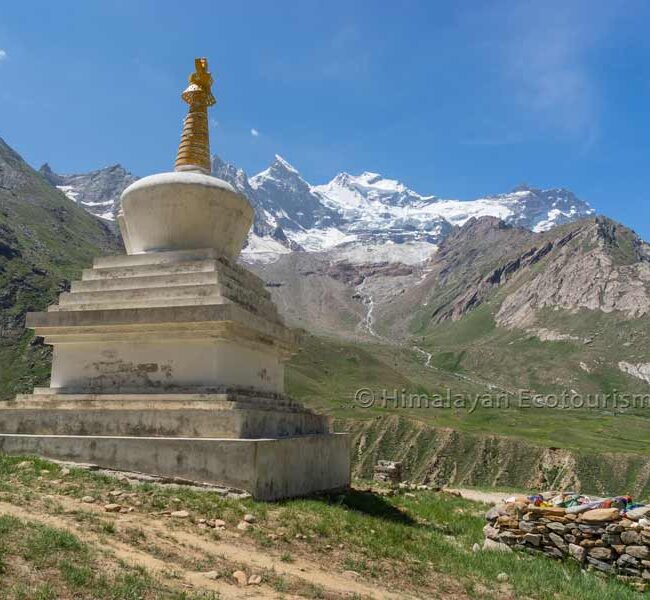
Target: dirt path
(310, 572)
(479, 496)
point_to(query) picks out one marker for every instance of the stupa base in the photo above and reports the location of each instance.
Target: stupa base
(269, 469)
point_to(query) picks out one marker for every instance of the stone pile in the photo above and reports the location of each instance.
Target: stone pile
(610, 535)
(388, 471)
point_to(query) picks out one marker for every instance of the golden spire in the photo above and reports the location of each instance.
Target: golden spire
(194, 149)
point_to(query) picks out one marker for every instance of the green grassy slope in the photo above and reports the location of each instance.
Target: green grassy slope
(420, 543)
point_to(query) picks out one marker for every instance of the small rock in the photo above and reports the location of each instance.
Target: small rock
(219, 524)
(600, 565)
(630, 538)
(490, 532)
(577, 552)
(638, 513)
(254, 580)
(179, 514)
(249, 518)
(601, 553)
(240, 577)
(88, 499)
(558, 541)
(112, 507)
(65, 471)
(492, 546)
(212, 574)
(115, 493)
(553, 551)
(476, 548)
(600, 515)
(24, 465)
(502, 577)
(243, 525)
(352, 574)
(626, 560)
(638, 551)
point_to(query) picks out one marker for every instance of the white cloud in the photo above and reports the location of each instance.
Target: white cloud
(254, 132)
(3, 54)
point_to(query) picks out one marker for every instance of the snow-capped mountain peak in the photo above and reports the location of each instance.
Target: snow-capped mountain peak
(367, 214)
(281, 162)
(97, 191)
(279, 170)
(369, 189)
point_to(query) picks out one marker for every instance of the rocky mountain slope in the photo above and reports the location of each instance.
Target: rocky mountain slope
(565, 309)
(98, 191)
(45, 240)
(356, 213)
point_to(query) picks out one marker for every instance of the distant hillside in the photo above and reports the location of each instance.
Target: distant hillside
(45, 240)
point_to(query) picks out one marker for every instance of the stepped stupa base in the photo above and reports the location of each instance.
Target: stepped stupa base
(269, 469)
(171, 364)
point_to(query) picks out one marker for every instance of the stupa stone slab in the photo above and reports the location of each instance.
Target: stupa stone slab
(227, 415)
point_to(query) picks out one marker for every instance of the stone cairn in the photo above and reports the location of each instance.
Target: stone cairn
(611, 535)
(388, 471)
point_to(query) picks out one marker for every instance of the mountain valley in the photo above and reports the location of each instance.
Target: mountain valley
(396, 291)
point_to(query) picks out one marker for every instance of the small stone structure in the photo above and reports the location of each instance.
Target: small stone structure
(605, 539)
(388, 471)
(169, 360)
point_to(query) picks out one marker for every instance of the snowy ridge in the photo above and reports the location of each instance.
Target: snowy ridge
(350, 213)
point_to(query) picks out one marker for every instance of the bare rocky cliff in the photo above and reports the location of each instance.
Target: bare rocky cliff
(605, 268)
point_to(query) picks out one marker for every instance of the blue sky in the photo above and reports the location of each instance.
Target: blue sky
(458, 99)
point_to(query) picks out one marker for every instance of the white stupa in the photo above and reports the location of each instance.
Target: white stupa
(169, 360)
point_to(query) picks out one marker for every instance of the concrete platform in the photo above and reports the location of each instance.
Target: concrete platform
(269, 469)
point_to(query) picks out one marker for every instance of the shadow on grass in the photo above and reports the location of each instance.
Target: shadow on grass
(368, 503)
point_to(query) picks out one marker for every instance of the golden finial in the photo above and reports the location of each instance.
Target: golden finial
(194, 149)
